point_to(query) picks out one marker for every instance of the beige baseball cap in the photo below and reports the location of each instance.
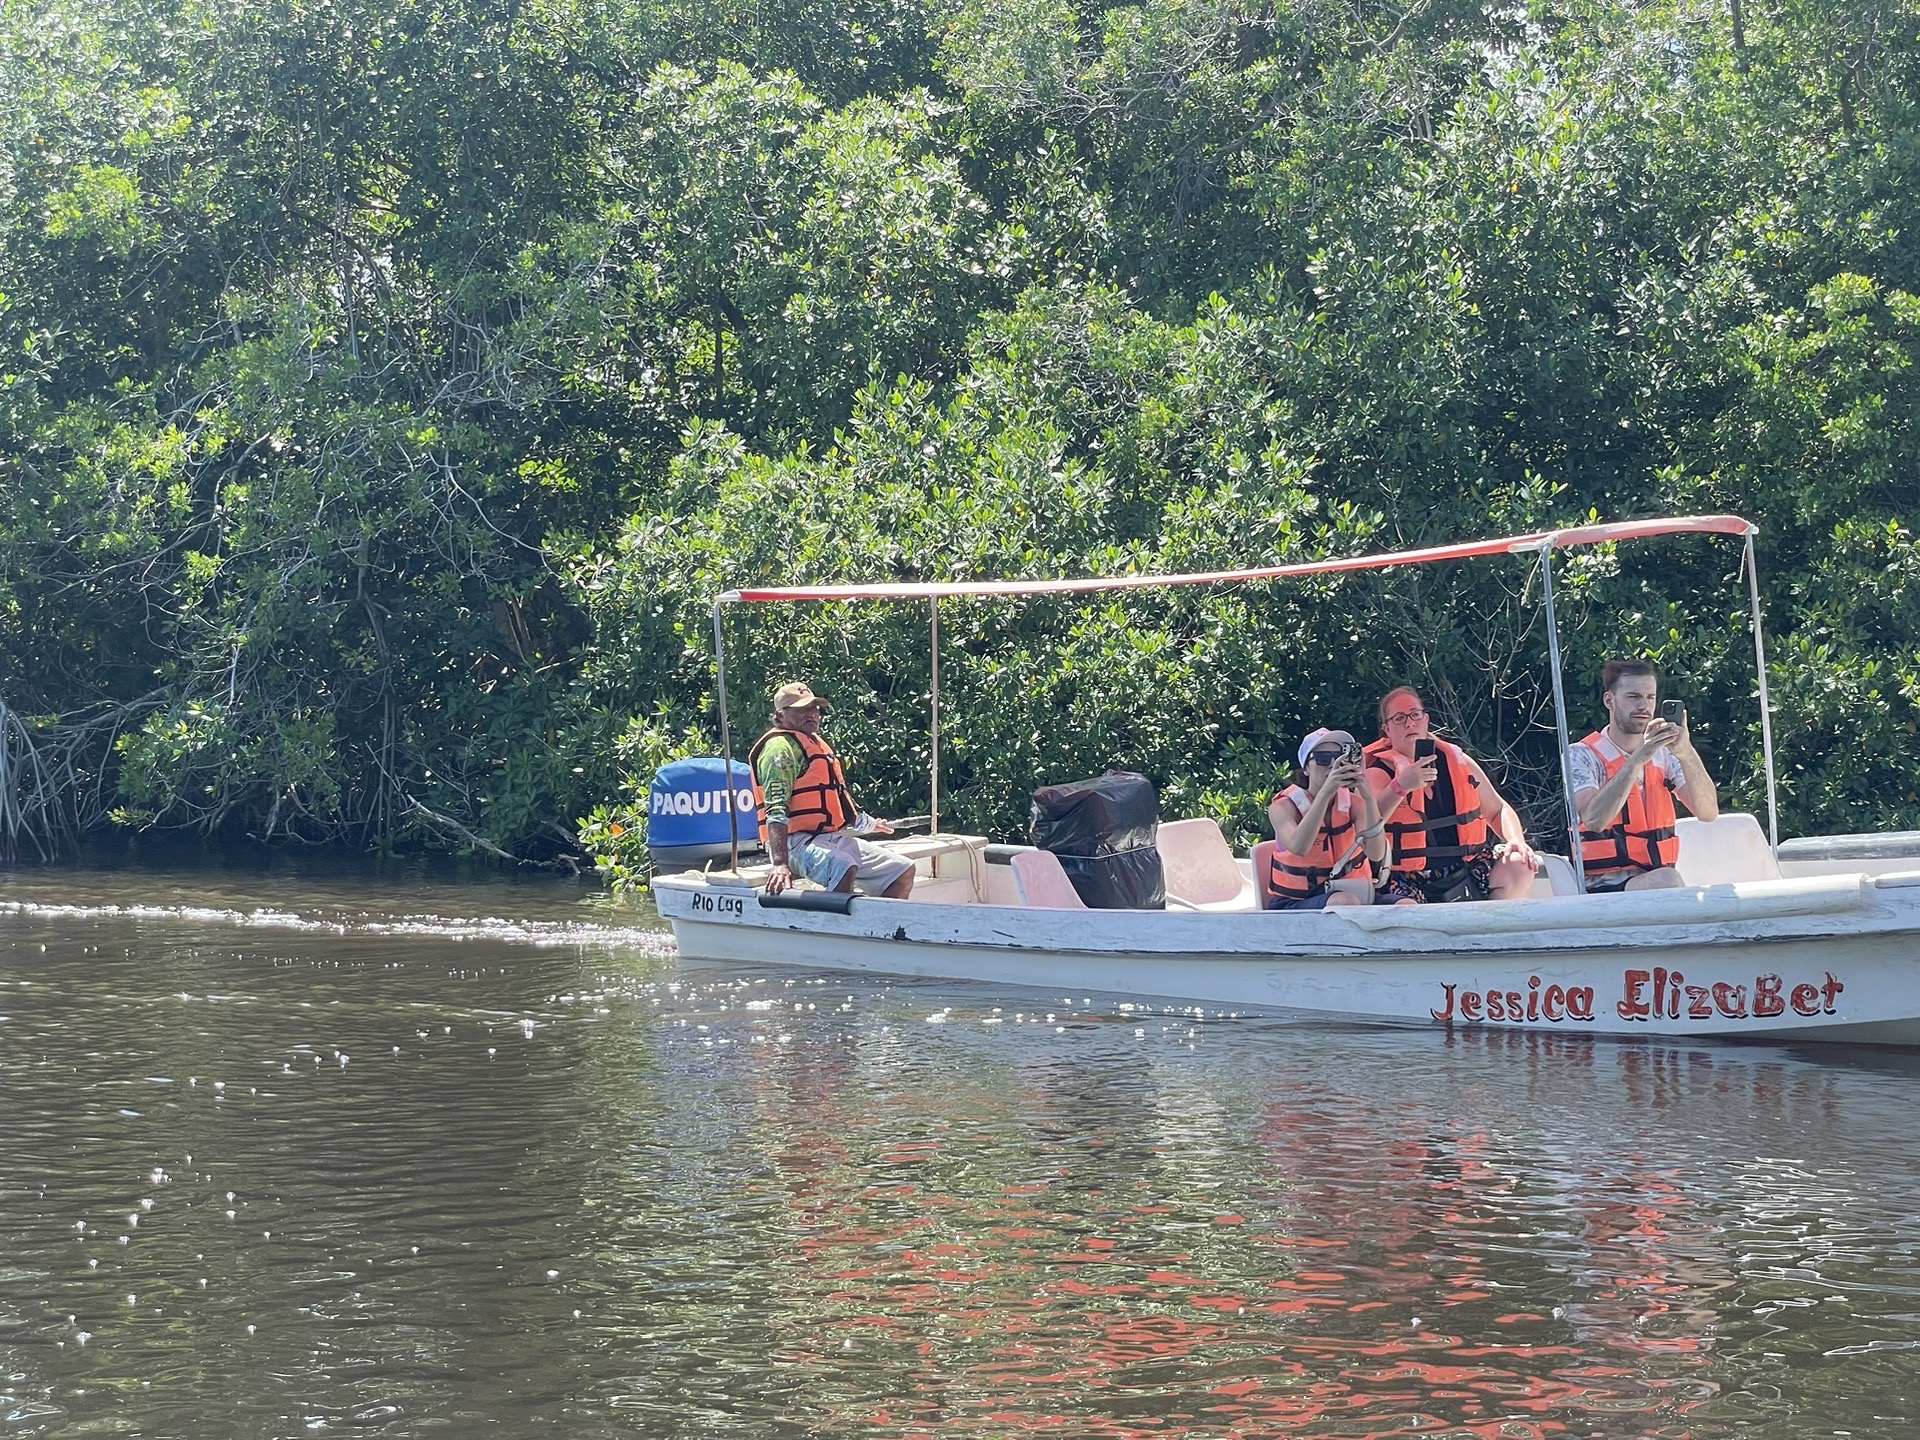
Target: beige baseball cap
(795, 695)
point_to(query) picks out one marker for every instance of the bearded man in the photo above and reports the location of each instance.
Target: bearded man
(1625, 779)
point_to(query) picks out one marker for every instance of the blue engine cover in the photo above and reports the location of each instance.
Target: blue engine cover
(687, 806)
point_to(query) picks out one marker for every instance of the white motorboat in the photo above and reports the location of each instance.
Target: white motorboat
(1818, 944)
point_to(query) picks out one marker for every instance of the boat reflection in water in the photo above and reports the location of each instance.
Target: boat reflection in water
(1505, 1235)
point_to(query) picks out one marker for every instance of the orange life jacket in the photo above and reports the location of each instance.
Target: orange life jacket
(1335, 855)
(1642, 837)
(1445, 840)
(820, 801)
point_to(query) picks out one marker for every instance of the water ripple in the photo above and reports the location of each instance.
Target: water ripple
(400, 1163)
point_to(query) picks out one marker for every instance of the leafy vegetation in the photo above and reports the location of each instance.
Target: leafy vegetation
(386, 390)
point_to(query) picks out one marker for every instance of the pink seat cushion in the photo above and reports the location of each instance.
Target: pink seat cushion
(1262, 869)
(1043, 885)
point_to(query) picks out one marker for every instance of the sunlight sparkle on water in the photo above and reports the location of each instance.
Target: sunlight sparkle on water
(924, 1206)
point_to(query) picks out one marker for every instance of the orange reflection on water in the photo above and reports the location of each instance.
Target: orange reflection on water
(1327, 1269)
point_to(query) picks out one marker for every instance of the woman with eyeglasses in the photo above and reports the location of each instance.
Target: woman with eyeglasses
(1326, 828)
(1451, 835)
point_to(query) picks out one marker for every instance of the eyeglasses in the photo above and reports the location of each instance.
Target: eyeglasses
(1406, 717)
(1326, 755)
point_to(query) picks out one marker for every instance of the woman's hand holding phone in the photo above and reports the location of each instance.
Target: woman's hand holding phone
(1426, 766)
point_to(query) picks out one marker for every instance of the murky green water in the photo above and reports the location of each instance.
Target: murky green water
(299, 1153)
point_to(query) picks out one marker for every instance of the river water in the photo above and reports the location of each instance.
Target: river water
(306, 1150)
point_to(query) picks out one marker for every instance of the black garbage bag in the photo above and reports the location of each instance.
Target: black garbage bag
(1130, 880)
(1103, 832)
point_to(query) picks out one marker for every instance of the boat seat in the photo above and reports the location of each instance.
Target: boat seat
(1711, 853)
(1200, 869)
(1262, 868)
(1042, 884)
(1556, 877)
(1717, 852)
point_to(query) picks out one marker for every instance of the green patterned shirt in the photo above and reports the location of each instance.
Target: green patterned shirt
(779, 765)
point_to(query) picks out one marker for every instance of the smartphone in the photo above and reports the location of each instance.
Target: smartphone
(1674, 712)
(1424, 748)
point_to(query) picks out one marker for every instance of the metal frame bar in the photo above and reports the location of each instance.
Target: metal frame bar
(726, 733)
(1766, 710)
(1560, 714)
(933, 782)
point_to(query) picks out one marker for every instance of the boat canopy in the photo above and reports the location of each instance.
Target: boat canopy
(1566, 539)
(1540, 542)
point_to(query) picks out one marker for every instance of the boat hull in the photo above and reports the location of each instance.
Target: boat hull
(1815, 961)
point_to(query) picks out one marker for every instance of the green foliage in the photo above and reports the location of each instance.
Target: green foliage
(386, 390)
(616, 834)
(989, 484)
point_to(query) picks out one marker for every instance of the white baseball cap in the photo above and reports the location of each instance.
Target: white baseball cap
(1308, 745)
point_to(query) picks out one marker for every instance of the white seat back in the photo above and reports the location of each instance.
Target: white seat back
(1556, 876)
(1734, 847)
(1198, 863)
(1042, 884)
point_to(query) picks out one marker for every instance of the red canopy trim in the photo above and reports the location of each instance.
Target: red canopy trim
(1514, 544)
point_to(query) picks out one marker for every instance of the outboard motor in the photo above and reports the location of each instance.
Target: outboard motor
(687, 821)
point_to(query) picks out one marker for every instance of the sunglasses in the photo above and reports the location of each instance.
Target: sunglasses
(1326, 755)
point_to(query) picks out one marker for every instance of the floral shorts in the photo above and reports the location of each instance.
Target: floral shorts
(1430, 889)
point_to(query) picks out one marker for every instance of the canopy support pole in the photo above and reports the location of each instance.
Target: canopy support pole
(1560, 714)
(726, 735)
(1766, 710)
(933, 784)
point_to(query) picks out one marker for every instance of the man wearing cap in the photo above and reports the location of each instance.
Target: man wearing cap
(808, 821)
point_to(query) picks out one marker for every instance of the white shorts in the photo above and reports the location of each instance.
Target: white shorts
(826, 859)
